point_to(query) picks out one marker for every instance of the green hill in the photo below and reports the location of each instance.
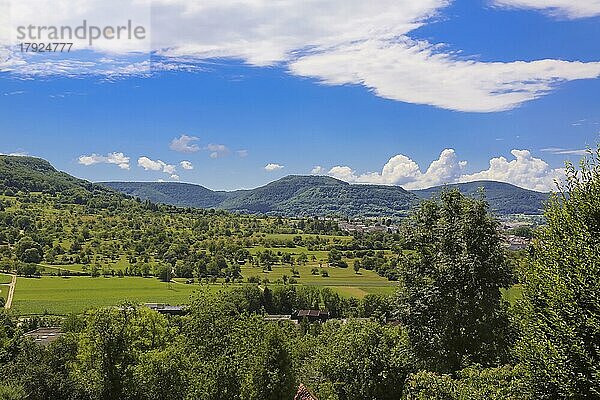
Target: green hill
(178, 194)
(291, 195)
(30, 174)
(503, 198)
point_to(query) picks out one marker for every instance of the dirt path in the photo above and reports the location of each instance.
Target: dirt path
(11, 292)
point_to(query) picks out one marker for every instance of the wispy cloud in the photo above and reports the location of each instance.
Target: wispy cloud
(558, 150)
(185, 144)
(342, 42)
(562, 8)
(217, 150)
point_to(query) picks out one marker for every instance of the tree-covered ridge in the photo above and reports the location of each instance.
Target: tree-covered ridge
(288, 196)
(321, 196)
(503, 198)
(31, 174)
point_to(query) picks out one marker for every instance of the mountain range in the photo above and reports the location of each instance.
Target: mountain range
(322, 195)
(292, 195)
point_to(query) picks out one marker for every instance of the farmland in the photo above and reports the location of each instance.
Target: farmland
(64, 295)
(61, 295)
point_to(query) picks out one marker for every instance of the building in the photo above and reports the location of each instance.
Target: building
(277, 317)
(311, 315)
(166, 309)
(44, 336)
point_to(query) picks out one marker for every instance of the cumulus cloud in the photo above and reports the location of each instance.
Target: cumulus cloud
(563, 8)
(242, 153)
(401, 170)
(317, 170)
(334, 41)
(273, 167)
(158, 165)
(186, 165)
(185, 144)
(117, 158)
(524, 170)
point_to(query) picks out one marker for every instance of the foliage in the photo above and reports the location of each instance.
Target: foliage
(450, 299)
(560, 309)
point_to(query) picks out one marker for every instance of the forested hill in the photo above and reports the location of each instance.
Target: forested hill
(30, 174)
(503, 198)
(291, 195)
(322, 195)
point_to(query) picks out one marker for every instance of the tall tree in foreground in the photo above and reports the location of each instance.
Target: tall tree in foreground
(450, 299)
(561, 302)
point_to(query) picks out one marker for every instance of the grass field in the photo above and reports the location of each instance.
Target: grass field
(343, 280)
(4, 278)
(56, 295)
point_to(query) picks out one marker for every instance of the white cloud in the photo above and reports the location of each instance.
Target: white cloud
(401, 170)
(185, 144)
(567, 8)
(525, 171)
(116, 158)
(273, 167)
(175, 177)
(158, 165)
(186, 165)
(561, 151)
(317, 170)
(217, 150)
(335, 41)
(242, 153)
(417, 72)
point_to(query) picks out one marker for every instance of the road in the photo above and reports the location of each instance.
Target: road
(11, 292)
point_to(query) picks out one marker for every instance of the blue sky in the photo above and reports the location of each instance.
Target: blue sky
(463, 84)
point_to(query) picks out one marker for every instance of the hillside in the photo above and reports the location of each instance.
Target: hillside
(178, 194)
(323, 195)
(291, 195)
(503, 198)
(31, 174)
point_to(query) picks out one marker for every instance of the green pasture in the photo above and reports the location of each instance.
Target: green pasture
(60, 295)
(337, 276)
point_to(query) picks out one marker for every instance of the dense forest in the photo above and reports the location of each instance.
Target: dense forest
(323, 196)
(447, 333)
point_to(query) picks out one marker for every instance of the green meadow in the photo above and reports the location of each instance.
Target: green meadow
(5, 278)
(60, 295)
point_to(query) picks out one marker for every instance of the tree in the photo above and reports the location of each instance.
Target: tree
(272, 374)
(560, 308)
(450, 299)
(334, 257)
(356, 266)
